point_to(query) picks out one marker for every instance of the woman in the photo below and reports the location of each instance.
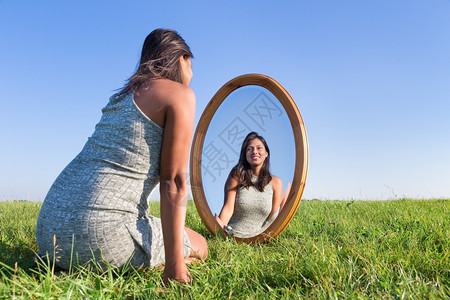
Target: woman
(252, 195)
(98, 206)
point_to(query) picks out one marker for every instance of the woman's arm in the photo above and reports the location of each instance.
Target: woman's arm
(277, 186)
(229, 200)
(178, 129)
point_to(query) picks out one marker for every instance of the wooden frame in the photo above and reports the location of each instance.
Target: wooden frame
(301, 155)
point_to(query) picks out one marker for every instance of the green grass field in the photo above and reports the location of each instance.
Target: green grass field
(332, 249)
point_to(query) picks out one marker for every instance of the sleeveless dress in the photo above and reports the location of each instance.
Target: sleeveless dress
(251, 209)
(97, 209)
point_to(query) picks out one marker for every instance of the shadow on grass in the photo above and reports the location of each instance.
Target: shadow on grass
(17, 256)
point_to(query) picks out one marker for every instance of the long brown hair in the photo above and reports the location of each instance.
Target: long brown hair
(160, 56)
(243, 171)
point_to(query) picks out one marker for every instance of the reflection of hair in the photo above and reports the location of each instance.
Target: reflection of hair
(160, 56)
(243, 171)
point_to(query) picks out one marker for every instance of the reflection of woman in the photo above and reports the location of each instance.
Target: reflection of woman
(98, 206)
(252, 195)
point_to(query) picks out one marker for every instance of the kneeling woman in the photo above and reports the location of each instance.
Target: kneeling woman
(98, 206)
(252, 195)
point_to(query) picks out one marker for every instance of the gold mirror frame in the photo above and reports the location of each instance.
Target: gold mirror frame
(301, 155)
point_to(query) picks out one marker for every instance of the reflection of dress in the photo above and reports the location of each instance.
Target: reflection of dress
(99, 203)
(251, 209)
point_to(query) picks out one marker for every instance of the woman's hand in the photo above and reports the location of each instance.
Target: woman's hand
(219, 221)
(181, 275)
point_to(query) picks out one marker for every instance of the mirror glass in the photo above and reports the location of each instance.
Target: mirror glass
(249, 108)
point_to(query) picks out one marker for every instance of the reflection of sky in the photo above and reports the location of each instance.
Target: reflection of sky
(250, 108)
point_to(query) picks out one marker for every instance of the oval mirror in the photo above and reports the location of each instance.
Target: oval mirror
(247, 103)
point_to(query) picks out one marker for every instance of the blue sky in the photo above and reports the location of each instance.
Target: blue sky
(371, 80)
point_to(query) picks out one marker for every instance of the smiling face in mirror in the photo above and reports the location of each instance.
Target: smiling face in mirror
(256, 153)
(249, 108)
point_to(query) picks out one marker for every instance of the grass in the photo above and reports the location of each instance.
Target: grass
(332, 249)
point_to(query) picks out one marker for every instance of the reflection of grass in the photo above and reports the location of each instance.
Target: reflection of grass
(332, 249)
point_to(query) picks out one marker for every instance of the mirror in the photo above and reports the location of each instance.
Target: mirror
(258, 103)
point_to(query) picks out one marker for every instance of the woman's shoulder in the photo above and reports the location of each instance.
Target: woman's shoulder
(275, 178)
(276, 181)
(173, 94)
(157, 97)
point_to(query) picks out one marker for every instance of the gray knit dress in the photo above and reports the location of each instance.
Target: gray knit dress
(97, 209)
(251, 209)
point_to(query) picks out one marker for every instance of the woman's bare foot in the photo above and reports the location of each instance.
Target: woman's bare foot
(192, 260)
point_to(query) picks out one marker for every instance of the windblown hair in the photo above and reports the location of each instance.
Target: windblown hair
(160, 56)
(243, 171)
